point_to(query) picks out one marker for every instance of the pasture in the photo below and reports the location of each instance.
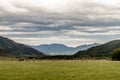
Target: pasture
(60, 70)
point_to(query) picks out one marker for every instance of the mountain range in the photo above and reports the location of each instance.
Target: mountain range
(9, 48)
(104, 49)
(61, 49)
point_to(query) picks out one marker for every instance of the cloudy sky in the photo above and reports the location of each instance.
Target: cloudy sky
(71, 22)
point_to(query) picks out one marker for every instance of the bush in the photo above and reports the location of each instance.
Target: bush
(116, 55)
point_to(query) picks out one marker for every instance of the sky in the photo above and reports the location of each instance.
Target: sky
(69, 22)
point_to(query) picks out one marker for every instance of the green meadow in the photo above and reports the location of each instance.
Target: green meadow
(60, 70)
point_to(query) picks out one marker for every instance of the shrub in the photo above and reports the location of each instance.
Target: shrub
(116, 55)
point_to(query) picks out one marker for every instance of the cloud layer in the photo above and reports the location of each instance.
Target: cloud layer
(72, 22)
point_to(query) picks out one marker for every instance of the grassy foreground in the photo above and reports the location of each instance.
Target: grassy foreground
(59, 70)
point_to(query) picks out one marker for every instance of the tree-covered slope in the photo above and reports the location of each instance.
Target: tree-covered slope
(104, 49)
(10, 48)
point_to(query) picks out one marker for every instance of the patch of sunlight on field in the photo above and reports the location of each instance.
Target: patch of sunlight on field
(59, 70)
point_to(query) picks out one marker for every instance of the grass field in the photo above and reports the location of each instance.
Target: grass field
(59, 70)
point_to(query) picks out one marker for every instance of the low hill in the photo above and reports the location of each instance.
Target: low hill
(9, 48)
(104, 49)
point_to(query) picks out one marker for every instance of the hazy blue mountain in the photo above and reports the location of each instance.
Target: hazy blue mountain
(61, 49)
(54, 49)
(10, 48)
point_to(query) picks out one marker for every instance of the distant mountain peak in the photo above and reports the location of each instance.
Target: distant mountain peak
(61, 49)
(54, 44)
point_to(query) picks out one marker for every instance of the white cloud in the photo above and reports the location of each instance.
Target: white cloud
(69, 42)
(60, 21)
(7, 6)
(5, 28)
